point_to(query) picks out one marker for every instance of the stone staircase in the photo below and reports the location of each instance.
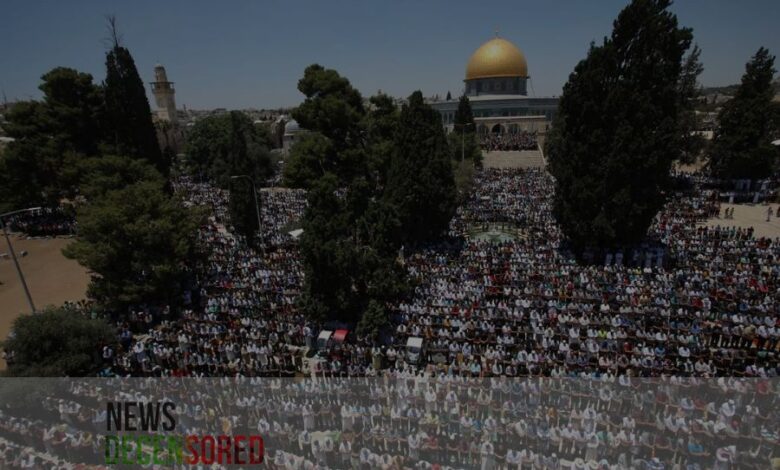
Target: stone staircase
(513, 159)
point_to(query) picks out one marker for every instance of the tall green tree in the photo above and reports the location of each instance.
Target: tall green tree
(463, 139)
(420, 182)
(381, 125)
(348, 261)
(29, 165)
(228, 144)
(373, 321)
(57, 342)
(75, 106)
(618, 128)
(332, 106)
(350, 234)
(137, 242)
(243, 212)
(131, 131)
(464, 116)
(332, 287)
(96, 176)
(334, 114)
(49, 135)
(747, 124)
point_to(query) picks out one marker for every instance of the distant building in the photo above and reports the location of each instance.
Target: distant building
(292, 133)
(164, 96)
(169, 134)
(496, 85)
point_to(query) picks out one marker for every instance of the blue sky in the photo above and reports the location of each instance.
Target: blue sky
(242, 53)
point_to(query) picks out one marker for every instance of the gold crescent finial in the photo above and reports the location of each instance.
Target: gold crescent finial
(496, 31)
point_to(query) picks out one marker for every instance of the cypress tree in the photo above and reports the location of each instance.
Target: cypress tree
(618, 129)
(243, 212)
(742, 147)
(127, 108)
(420, 183)
(464, 116)
(463, 141)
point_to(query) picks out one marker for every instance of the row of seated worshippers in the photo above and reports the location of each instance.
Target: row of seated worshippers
(407, 420)
(16, 455)
(525, 306)
(514, 309)
(44, 222)
(710, 314)
(245, 317)
(519, 307)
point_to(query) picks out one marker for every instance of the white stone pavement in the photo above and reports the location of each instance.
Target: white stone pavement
(513, 159)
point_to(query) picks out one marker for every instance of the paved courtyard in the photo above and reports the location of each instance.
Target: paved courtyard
(750, 215)
(513, 159)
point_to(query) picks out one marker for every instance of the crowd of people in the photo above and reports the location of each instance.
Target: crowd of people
(423, 421)
(696, 301)
(43, 222)
(508, 141)
(245, 318)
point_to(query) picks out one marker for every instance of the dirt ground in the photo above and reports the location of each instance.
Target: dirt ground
(749, 215)
(51, 277)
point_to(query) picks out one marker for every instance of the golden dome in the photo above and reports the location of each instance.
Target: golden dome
(497, 58)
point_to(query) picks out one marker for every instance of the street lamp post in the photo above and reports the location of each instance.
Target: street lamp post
(254, 191)
(13, 254)
(462, 139)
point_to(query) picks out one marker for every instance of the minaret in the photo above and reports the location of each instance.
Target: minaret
(163, 95)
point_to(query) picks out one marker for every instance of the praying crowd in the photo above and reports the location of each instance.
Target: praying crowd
(508, 141)
(530, 360)
(422, 421)
(43, 222)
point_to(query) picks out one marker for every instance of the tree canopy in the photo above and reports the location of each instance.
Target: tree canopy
(376, 178)
(342, 161)
(96, 176)
(464, 116)
(99, 142)
(352, 227)
(57, 342)
(747, 125)
(619, 128)
(76, 120)
(135, 241)
(75, 106)
(242, 208)
(228, 144)
(420, 182)
(463, 139)
(334, 113)
(48, 135)
(131, 130)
